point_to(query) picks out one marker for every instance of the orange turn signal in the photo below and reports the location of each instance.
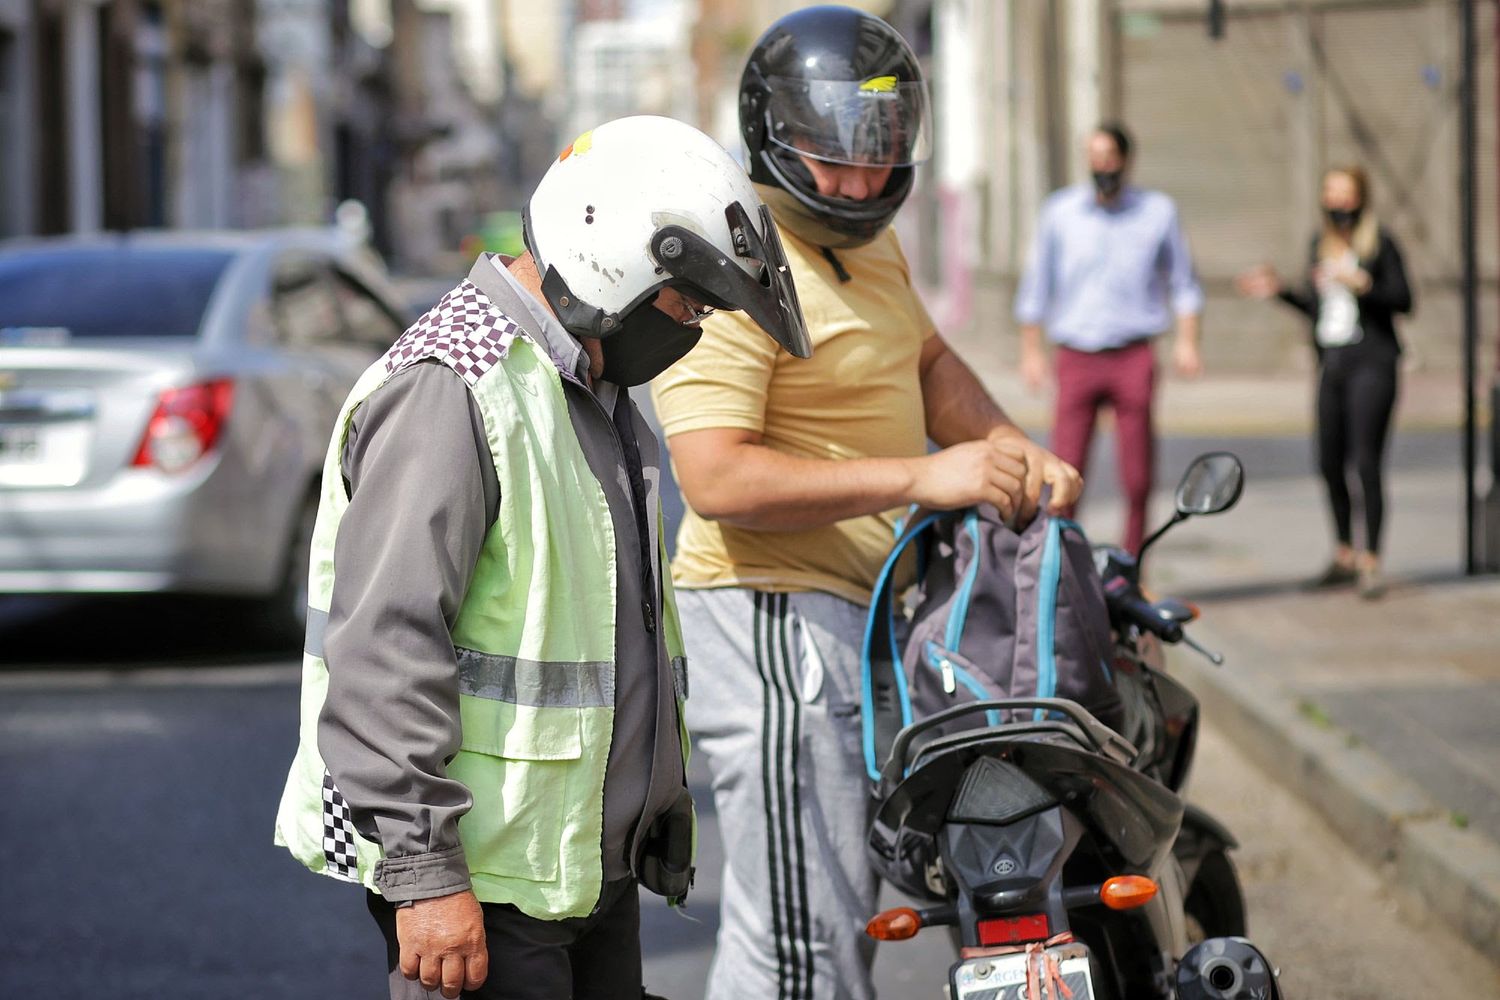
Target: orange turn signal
(1126, 892)
(897, 924)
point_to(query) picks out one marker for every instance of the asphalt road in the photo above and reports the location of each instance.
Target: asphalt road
(143, 743)
(136, 833)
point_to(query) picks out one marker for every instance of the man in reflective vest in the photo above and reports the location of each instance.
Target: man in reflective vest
(491, 736)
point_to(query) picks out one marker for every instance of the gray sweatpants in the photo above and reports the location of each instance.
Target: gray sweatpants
(774, 709)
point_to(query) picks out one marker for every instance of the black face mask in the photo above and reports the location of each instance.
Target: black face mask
(1342, 218)
(647, 344)
(1107, 182)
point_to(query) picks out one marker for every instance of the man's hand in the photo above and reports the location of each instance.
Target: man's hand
(1034, 368)
(1042, 469)
(971, 473)
(1006, 469)
(442, 943)
(1185, 356)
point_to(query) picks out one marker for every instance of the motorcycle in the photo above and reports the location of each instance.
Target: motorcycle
(1060, 852)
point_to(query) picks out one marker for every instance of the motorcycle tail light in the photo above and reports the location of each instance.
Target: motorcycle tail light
(994, 791)
(1014, 930)
(185, 425)
(1126, 892)
(894, 925)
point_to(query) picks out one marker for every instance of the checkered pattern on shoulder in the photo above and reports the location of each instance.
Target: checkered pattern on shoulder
(338, 834)
(464, 331)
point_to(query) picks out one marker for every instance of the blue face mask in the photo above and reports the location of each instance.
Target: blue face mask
(1108, 182)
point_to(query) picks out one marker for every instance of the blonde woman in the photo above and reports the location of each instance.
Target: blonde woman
(1356, 284)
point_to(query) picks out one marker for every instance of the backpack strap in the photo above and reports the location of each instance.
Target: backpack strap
(885, 705)
(953, 635)
(1046, 618)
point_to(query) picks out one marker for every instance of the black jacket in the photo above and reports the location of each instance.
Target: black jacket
(1389, 294)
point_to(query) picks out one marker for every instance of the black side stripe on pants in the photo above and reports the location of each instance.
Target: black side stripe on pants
(768, 757)
(781, 751)
(794, 686)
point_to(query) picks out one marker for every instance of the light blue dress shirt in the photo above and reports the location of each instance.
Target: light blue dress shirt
(1102, 277)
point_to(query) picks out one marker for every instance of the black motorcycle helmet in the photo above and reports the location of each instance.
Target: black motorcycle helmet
(834, 84)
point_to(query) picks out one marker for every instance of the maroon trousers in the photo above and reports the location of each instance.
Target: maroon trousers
(1124, 380)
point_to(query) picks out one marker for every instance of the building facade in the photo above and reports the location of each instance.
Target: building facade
(206, 114)
(1238, 129)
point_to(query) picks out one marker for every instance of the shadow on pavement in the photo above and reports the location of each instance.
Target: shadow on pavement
(1273, 587)
(89, 632)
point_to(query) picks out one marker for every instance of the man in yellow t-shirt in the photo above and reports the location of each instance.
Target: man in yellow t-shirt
(794, 473)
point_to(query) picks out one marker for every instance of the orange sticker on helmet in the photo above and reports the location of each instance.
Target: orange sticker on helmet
(580, 145)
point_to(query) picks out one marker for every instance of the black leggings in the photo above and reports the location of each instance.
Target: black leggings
(1355, 400)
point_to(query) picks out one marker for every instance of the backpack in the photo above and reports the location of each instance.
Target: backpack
(996, 614)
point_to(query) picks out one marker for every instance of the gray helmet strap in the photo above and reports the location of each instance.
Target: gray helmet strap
(577, 317)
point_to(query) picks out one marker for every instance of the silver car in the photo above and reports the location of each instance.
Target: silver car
(166, 401)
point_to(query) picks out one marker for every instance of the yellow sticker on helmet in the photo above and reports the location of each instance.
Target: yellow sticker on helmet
(879, 85)
(581, 145)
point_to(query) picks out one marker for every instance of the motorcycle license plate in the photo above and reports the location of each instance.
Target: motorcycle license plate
(1004, 977)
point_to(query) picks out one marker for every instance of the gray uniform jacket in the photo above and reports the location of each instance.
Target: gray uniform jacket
(423, 495)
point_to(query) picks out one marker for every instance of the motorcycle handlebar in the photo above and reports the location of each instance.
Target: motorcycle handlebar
(1141, 612)
(1127, 606)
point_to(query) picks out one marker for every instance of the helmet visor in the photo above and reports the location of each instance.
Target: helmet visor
(762, 286)
(881, 122)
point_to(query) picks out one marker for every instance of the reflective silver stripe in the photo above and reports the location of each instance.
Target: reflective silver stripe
(538, 684)
(317, 626)
(680, 677)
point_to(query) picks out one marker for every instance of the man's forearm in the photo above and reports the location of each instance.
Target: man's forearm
(750, 485)
(956, 404)
(1031, 336)
(404, 551)
(1188, 328)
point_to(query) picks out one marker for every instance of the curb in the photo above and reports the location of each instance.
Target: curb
(1383, 815)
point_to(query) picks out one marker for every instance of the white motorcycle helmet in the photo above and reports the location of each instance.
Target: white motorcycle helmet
(645, 203)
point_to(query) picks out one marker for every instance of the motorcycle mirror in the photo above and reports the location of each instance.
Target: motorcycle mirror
(1211, 485)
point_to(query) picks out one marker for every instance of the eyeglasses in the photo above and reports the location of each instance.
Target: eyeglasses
(686, 309)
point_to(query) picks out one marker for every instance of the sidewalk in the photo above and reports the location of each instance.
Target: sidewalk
(1384, 715)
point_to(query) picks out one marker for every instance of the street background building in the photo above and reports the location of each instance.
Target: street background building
(434, 113)
(203, 114)
(1237, 129)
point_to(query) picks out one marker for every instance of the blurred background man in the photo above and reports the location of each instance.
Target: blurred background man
(1109, 270)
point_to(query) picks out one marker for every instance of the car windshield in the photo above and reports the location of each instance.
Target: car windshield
(108, 291)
